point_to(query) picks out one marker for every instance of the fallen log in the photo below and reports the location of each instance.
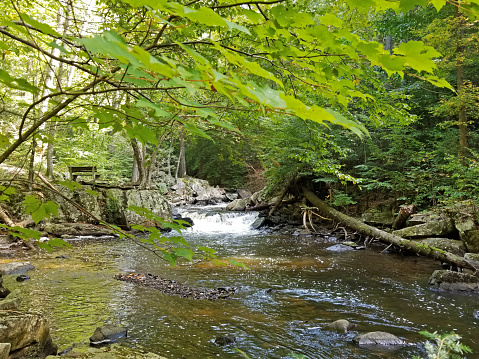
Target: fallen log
(402, 243)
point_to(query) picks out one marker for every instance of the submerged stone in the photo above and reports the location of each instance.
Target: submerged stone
(225, 340)
(340, 248)
(340, 326)
(114, 351)
(107, 334)
(15, 268)
(378, 338)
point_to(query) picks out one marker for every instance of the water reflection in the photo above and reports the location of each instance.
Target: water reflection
(294, 286)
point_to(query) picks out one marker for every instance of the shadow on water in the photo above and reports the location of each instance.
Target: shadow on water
(293, 287)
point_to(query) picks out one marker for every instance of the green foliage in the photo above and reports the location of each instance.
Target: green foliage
(5, 193)
(444, 346)
(39, 209)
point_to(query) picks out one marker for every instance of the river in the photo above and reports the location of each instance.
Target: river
(292, 288)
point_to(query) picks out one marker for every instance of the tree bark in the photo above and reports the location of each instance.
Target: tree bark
(462, 115)
(404, 213)
(6, 218)
(402, 243)
(138, 152)
(182, 159)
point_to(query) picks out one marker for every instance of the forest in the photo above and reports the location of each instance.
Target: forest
(364, 102)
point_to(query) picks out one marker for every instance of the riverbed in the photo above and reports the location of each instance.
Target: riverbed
(293, 286)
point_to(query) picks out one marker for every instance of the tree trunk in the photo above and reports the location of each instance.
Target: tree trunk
(139, 157)
(404, 213)
(182, 158)
(462, 115)
(387, 237)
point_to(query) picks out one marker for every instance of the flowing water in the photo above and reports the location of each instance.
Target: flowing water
(292, 288)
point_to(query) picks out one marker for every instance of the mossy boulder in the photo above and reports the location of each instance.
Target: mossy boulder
(446, 280)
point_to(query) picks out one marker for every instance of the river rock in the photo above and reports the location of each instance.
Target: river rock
(244, 193)
(114, 351)
(441, 227)
(11, 302)
(340, 326)
(377, 338)
(468, 231)
(23, 278)
(4, 292)
(446, 280)
(476, 314)
(237, 205)
(225, 340)
(258, 223)
(151, 200)
(472, 257)
(75, 229)
(28, 335)
(15, 268)
(107, 334)
(450, 245)
(4, 350)
(340, 248)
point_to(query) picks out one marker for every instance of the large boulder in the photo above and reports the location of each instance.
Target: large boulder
(441, 227)
(27, 333)
(450, 245)
(378, 338)
(192, 190)
(151, 200)
(446, 280)
(421, 218)
(468, 231)
(237, 205)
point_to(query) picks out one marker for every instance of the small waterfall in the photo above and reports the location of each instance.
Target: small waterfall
(214, 219)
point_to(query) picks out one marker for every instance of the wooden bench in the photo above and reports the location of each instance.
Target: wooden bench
(76, 171)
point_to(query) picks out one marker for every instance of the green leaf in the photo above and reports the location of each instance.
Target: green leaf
(71, 185)
(418, 55)
(93, 193)
(287, 16)
(438, 4)
(17, 83)
(59, 47)
(45, 28)
(185, 253)
(239, 264)
(58, 242)
(158, 110)
(196, 131)
(170, 257)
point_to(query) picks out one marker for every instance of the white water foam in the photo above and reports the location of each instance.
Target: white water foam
(217, 220)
